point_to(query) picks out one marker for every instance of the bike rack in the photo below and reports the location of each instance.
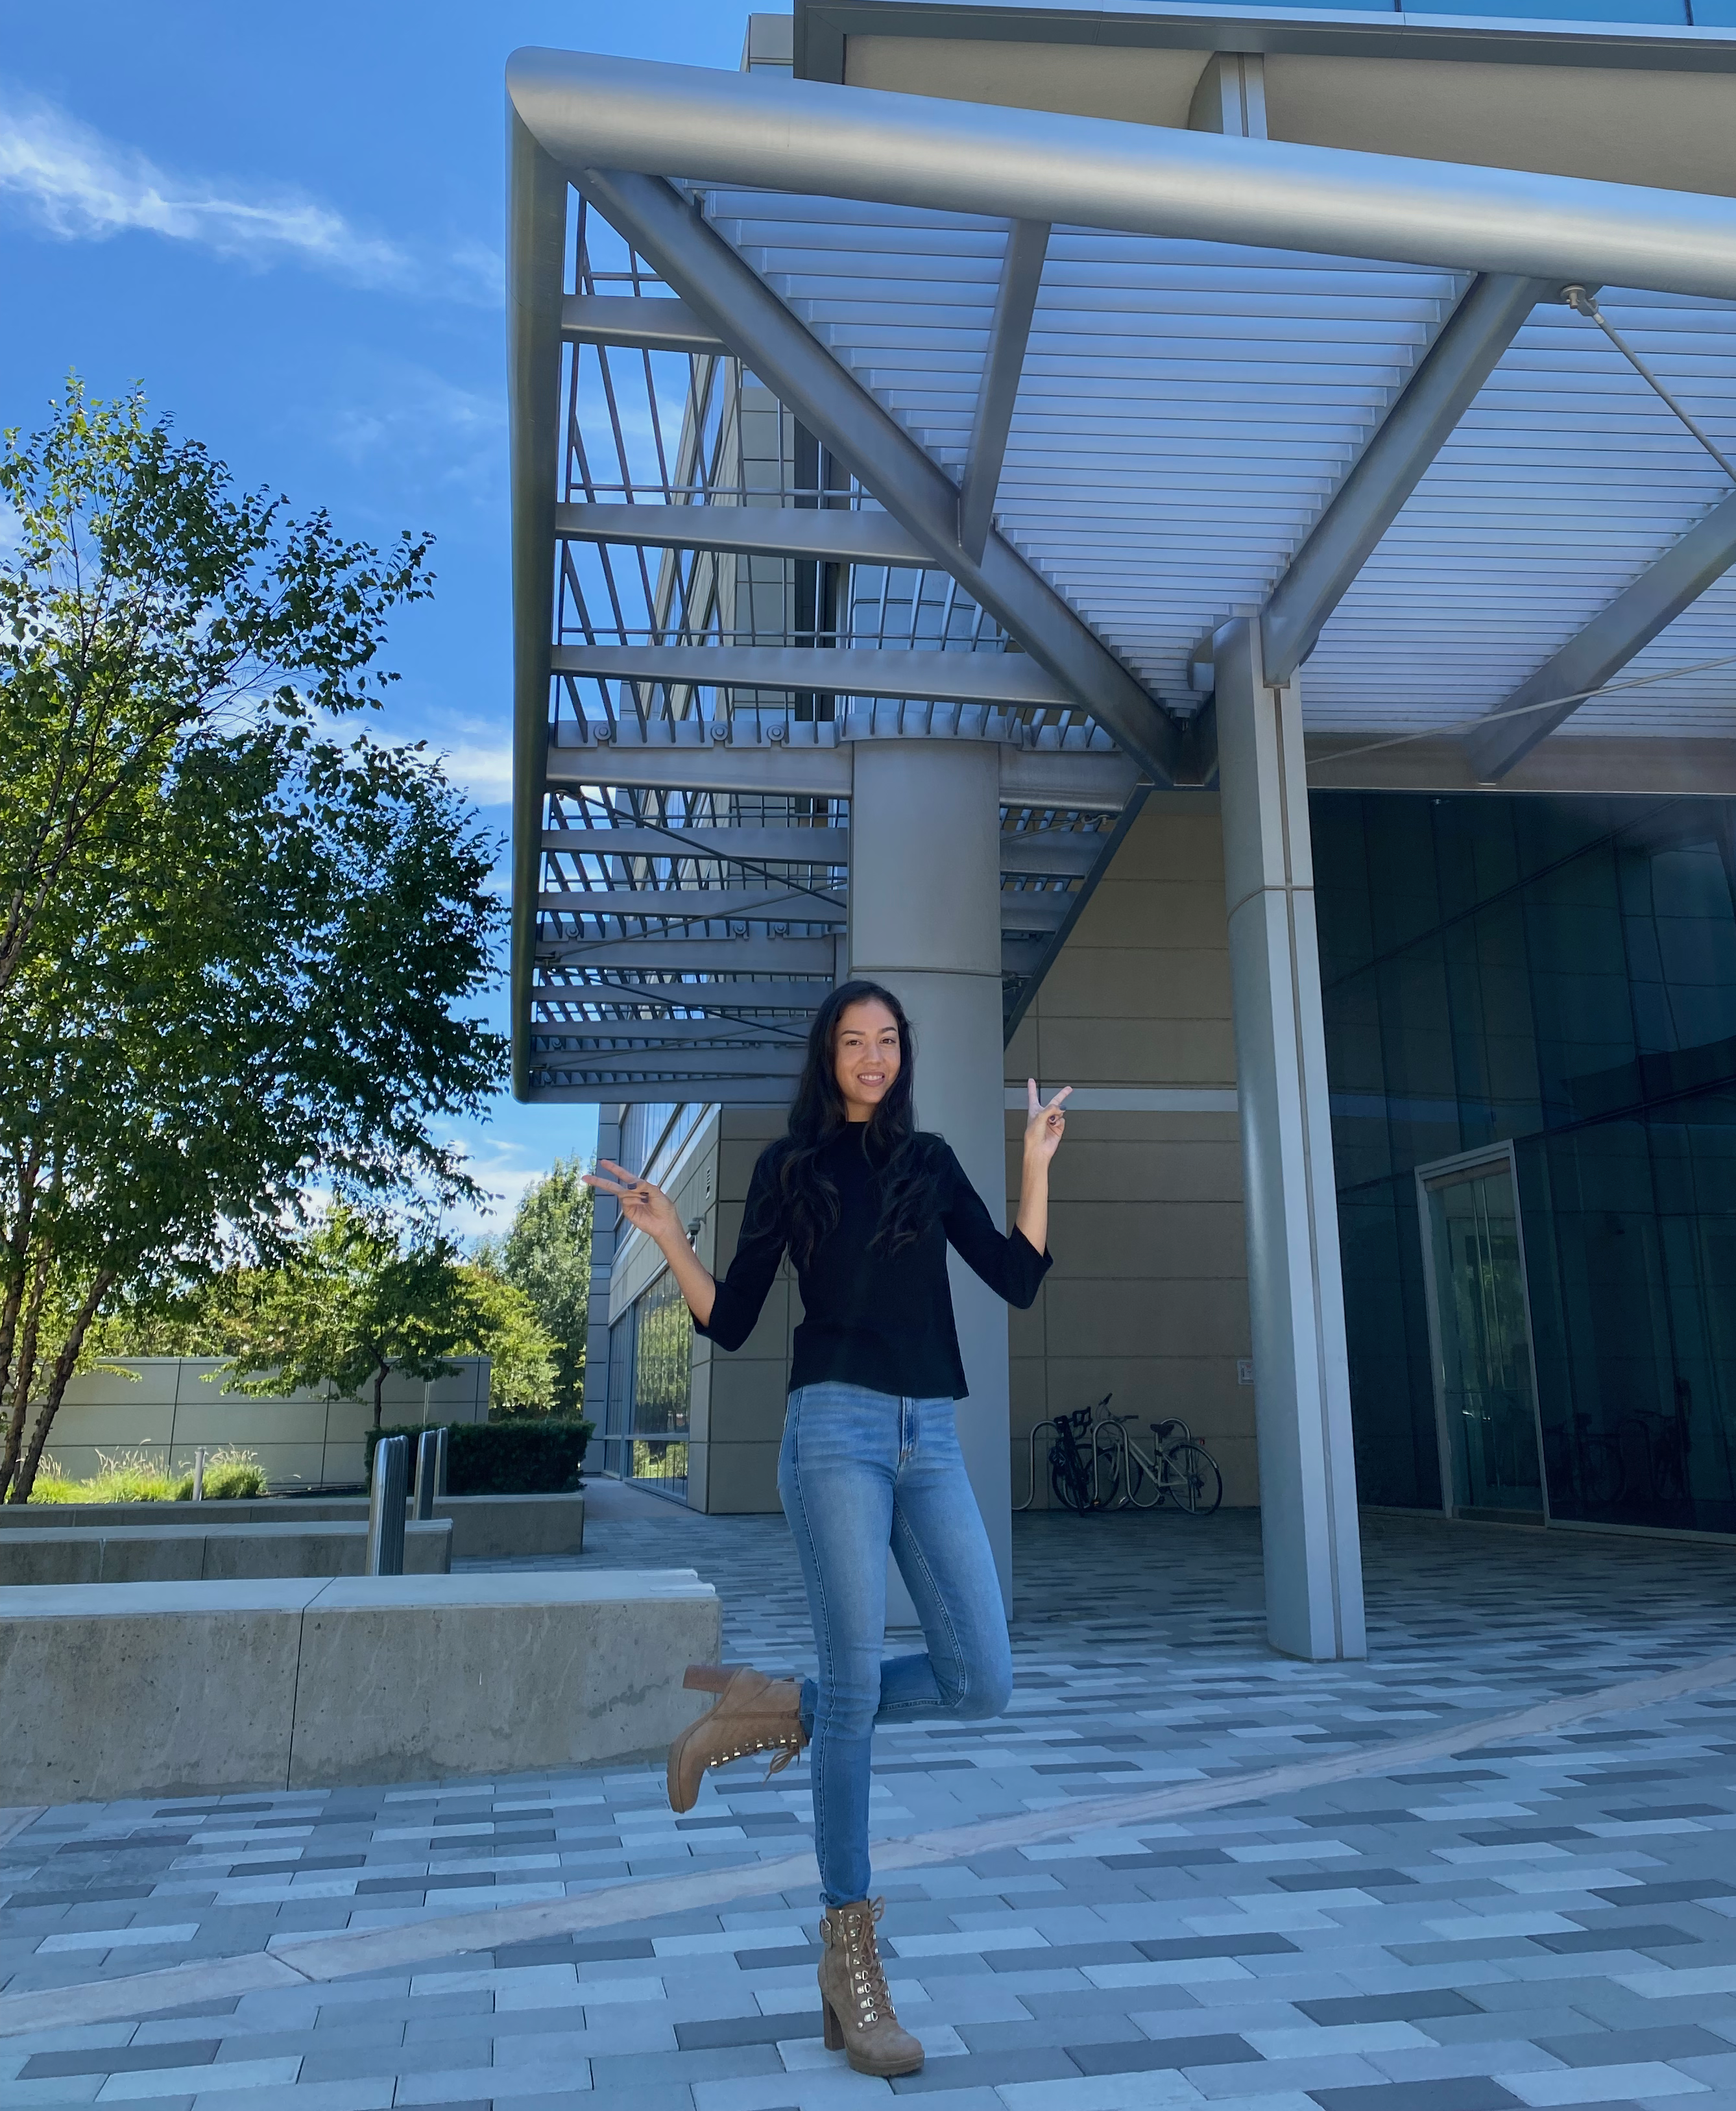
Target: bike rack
(1030, 1491)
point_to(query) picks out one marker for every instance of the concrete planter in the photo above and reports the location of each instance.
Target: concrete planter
(181, 1689)
(484, 1527)
(176, 1553)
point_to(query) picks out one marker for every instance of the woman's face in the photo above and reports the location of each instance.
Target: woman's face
(866, 1055)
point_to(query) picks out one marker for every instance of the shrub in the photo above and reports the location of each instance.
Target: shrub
(132, 1478)
(540, 1458)
(229, 1475)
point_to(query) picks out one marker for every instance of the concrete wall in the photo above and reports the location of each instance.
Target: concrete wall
(164, 1407)
(1149, 1294)
(179, 1688)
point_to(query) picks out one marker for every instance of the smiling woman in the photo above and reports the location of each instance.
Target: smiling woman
(865, 1205)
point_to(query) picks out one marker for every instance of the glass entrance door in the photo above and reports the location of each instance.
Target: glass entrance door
(1485, 1392)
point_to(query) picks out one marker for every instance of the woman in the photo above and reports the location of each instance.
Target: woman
(866, 1207)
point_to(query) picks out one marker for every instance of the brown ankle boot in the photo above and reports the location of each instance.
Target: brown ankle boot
(859, 2018)
(754, 1714)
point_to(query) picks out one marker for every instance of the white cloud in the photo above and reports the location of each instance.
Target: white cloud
(78, 186)
(485, 769)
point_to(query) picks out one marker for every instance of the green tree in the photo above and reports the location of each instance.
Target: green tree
(547, 1255)
(352, 1306)
(238, 952)
(521, 1353)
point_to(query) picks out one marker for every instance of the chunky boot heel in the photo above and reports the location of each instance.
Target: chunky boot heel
(709, 1677)
(754, 1714)
(853, 1990)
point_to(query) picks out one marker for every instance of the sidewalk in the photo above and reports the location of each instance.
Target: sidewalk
(1547, 1922)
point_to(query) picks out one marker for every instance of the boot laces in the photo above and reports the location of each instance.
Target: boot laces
(862, 1959)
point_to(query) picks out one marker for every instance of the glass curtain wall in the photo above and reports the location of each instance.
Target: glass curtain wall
(1559, 975)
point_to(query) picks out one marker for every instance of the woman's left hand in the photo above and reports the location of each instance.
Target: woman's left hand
(1044, 1126)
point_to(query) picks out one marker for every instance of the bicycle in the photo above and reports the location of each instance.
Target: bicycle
(1095, 1465)
(1176, 1470)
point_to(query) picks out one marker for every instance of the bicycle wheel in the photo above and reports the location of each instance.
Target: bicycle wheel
(1104, 1476)
(1144, 1486)
(1067, 1480)
(1192, 1479)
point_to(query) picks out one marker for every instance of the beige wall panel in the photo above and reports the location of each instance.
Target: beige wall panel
(748, 1397)
(1141, 87)
(155, 1385)
(114, 1429)
(1138, 982)
(1177, 1242)
(1163, 914)
(744, 1478)
(1173, 841)
(1148, 1299)
(1148, 1319)
(1134, 1051)
(1093, 1167)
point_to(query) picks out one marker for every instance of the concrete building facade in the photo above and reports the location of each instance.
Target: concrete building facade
(1197, 548)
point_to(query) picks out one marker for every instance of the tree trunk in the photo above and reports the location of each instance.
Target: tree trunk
(59, 1377)
(23, 1374)
(380, 1382)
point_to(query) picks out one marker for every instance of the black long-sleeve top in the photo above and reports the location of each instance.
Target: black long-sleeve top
(872, 1319)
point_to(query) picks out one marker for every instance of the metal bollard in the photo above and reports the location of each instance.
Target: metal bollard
(384, 1555)
(427, 1473)
(198, 1474)
(440, 1463)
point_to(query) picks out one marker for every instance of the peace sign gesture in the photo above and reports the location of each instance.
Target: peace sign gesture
(1044, 1125)
(644, 1206)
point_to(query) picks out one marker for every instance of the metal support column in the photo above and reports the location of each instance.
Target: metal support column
(1307, 1478)
(925, 921)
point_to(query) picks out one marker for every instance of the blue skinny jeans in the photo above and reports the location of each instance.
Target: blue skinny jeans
(860, 1472)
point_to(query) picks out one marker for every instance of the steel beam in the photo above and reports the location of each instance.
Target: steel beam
(751, 531)
(591, 1034)
(806, 136)
(536, 239)
(718, 904)
(1027, 909)
(1606, 644)
(634, 324)
(789, 996)
(642, 954)
(1067, 783)
(1104, 844)
(1045, 779)
(1390, 468)
(818, 773)
(721, 1092)
(725, 292)
(824, 846)
(687, 1066)
(1056, 853)
(1015, 304)
(1009, 680)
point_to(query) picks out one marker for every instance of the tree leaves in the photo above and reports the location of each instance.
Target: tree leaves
(240, 949)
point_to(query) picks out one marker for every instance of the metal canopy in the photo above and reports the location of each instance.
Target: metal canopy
(1444, 492)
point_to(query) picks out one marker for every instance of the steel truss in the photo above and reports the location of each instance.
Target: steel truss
(756, 566)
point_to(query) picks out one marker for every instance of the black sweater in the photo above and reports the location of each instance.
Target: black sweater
(871, 1318)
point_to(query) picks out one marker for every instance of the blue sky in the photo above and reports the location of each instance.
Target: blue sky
(287, 223)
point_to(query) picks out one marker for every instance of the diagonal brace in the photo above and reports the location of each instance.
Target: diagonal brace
(1463, 356)
(1015, 304)
(729, 297)
(1612, 638)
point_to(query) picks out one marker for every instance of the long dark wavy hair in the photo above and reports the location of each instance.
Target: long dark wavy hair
(902, 1156)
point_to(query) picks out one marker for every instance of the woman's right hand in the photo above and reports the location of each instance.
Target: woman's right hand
(645, 1206)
